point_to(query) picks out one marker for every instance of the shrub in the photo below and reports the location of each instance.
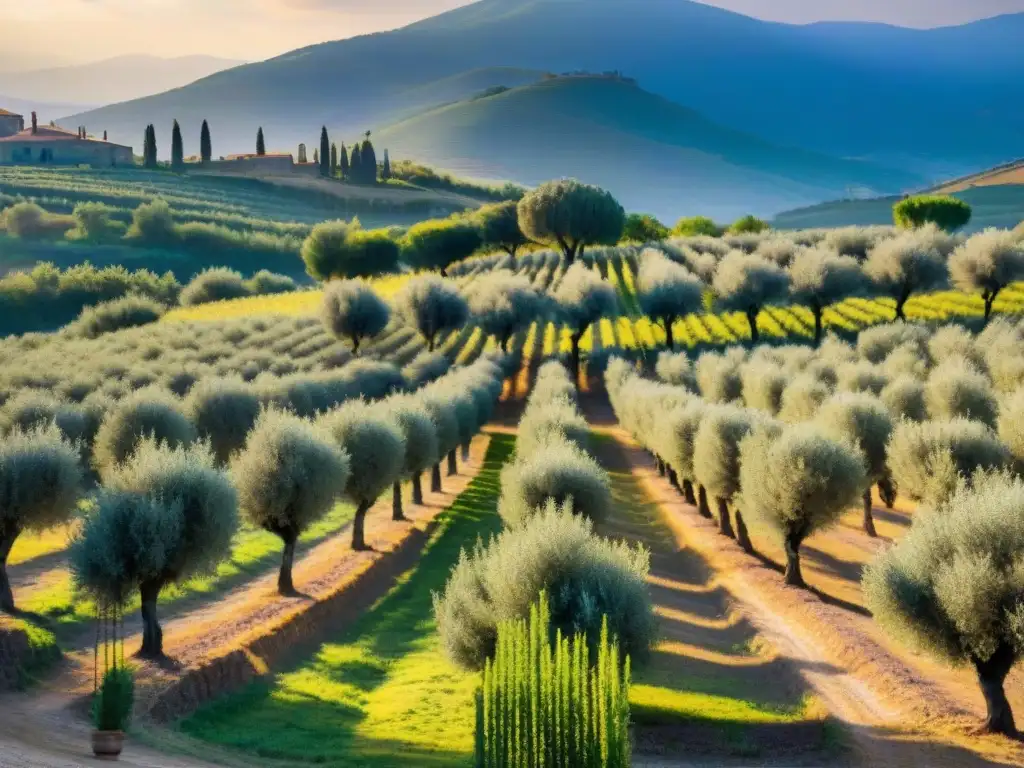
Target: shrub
(798, 482)
(520, 714)
(339, 249)
(558, 471)
(946, 212)
(951, 587)
(718, 375)
(877, 343)
(928, 459)
(168, 516)
(955, 344)
(289, 475)
(583, 298)
(265, 282)
(819, 278)
(909, 263)
(554, 420)
(503, 304)
(438, 243)
(865, 422)
(748, 225)
(94, 224)
(432, 306)
(115, 315)
(571, 216)
(1011, 424)
(214, 284)
(763, 385)
(676, 369)
(643, 228)
(801, 398)
(955, 390)
(376, 451)
(40, 484)
(153, 225)
(695, 226)
(852, 241)
(747, 283)
(904, 397)
(143, 414)
(589, 580)
(861, 377)
(223, 411)
(112, 704)
(666, 291)
(351, 310)
(31, 221)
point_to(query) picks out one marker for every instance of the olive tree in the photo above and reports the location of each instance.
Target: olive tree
(954, 390)
(351, 310)
(802, 398)
(820, 278)
(666, 291)
(421, 446)
(1011, 425)
(40, 484)
(748, 283)
(676, 368)
(953, 587)
(927, 459)
(171, 517)
(862, 420)
(223, 411)
(987, 263)
(907, 264)
(583, 298)
(719, 377)
(289, 475)
(147, 413)
(446, 427)
(433, 306)
(798, 482)
(376, 451)
(677, 432)
(559, 471)
(499, 227)
(763, 385)
(504, 304)
(571, 215)
(438, 243)
(339, 249)
(716, 461)
(904, 397)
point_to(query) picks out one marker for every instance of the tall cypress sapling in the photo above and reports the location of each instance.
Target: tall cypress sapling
(324, 156)
(177, 148)
(205, 144)
(355, 168)
(368, 161)
(385, 171)
(261, 147)
(334, 160)
(343, 161)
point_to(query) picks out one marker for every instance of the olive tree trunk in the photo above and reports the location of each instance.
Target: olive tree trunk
(660, 465)
(465, 452)
(989, 298)
(869, 519)
(453, 468)
(702, 502)
(8, 535)
(397, 513)
(992, 677)
(742, 535)
(688, 494)
(670, 339)
(435, 479)
(752, 314)
(359, 527)
(818, 312)
(417, 489)
(673, 478)
(285, 586)
(152, 634)
(724, 523)
(794, 576)
(887, 491)
(576, 337)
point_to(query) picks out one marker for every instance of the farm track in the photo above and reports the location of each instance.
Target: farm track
(45, 727)
(898, 711)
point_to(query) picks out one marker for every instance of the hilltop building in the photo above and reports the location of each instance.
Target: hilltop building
(52, 145)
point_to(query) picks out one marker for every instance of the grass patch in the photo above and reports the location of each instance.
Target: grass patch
(384, 689)
(43, 651)
(254, 551)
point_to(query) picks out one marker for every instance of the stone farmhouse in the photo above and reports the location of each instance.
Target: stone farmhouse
(52, 145)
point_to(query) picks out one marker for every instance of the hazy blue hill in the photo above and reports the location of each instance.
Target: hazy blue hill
(654, 154)
(946, 98)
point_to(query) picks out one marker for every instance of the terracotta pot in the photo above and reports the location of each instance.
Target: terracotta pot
(107, 745)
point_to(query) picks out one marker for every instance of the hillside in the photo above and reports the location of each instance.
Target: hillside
(111, 80)
(823, 86)
(652, 153)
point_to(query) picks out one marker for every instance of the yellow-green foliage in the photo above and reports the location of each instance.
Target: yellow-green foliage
(548, 702)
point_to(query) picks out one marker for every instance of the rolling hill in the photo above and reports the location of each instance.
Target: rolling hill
(938, 101)
(652, 153)
(111, 80)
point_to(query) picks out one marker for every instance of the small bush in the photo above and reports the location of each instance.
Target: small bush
(904, 397)
(264, 283)
(955, 390)
(695, 226)
(801, 398)
(214, 284)
(589, 580)
(748, 225)
(94, 224)
(557, 471)
(108, 316)
(31, 221)
(946, 212)
(718, 375)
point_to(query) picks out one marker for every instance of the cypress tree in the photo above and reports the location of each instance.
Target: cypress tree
(149, 147)
(368, 161)
(355, 169)
(316, 159)
(334, 160)
(343, 161)
(205, 144)
(325, 152)
(261, 146)
(104, 135)
(385, 172)
(177, 148)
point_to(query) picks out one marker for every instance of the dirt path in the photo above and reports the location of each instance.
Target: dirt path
(47, 726)
(871, 690)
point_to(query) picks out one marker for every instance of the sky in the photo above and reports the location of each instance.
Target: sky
(34, 33)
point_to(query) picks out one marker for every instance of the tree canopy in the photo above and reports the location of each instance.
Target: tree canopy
(571, 215)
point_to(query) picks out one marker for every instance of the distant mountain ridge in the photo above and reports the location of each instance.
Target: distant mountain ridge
(110, 81)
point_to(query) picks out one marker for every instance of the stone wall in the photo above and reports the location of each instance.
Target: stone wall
(65, 152)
